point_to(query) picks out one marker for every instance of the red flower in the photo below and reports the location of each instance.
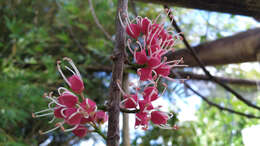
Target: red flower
(159, 118)
(57, 112)
(86, 120)
(101, 117)
(164, 70)
(141, 57)
(130, 101)
(68, 100)
(89, 106)
(80, 131)
(76, 84)
(141, 119)
(145, 23)
(75, 81)
(133, 30)
(145, 106)
(73, 117)
(150, 93)
(146, 73)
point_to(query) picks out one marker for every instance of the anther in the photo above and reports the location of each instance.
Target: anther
(112, 57)
(40, 132)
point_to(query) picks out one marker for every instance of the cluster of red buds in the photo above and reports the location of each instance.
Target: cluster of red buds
(70, 110)
(151, 41)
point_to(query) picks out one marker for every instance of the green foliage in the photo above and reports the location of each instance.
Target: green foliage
(34, 35)
(217, 128)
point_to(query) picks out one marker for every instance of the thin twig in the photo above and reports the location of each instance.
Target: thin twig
(214, 104)
(97, 21)
(202, 66)
(97, 130)
(133, 6)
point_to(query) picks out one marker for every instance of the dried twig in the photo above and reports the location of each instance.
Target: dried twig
(97, 21)
(214, 104)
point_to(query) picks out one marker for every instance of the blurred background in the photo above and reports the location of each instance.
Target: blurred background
(34, 34)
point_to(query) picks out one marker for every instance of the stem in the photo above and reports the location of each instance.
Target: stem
(82, 96)
(98, 131)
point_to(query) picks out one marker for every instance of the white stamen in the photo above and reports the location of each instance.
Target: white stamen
(88, 106)
(151, 94)
(43, 115)
(63, 76)
(52, 120)
(129, 47)
(62, 112)
(45, 110)
(72, 115)
(71, 129)
(50, 130)
(166, 126)
(73, 66)
(54, 100)
(140, 45)
(121, 90)
(120, 19)
(65, 91)
(70, 70)
(138, 118)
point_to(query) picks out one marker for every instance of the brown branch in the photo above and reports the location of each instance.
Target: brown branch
(202, 66)
(238, 48)
(237, 7)
(190, 75)
(119, 57)
(97, 21)
(233, 81)
(214, 104)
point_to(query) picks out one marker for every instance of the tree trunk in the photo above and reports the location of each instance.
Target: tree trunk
(118, 57)
(126, 137)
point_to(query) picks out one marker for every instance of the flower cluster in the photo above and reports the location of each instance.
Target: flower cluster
(151, 42)
(68, 109)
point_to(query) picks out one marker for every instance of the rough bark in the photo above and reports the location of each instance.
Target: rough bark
(118, 57)
(241, 47)
(126, 137)
(240, 7)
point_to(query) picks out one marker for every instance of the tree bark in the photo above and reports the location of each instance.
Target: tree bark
(118, 57)
(240, 7)
(241, 47)
(126, 130)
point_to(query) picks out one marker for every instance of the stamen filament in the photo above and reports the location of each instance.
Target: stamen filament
(121, 90)
(43, 115)
(63, 76)
(71, 129)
